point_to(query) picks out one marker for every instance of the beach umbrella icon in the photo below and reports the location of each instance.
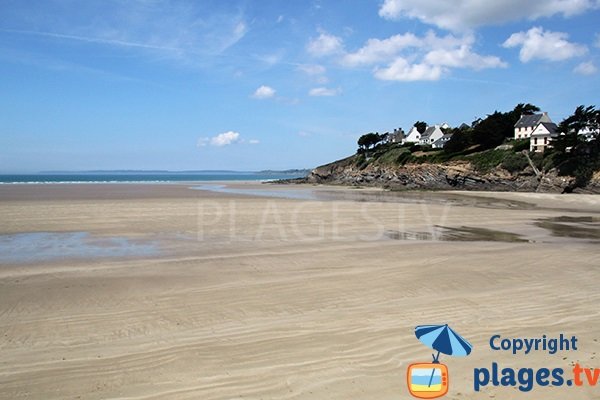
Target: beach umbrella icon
(444, 340)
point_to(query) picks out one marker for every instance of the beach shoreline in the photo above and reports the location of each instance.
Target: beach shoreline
(268, 297)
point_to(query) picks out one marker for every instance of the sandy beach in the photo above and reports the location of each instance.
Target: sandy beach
(164, 292)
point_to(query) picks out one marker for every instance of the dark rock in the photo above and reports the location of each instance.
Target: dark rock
(458, 175)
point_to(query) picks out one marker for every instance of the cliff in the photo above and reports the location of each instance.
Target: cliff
(457, 175)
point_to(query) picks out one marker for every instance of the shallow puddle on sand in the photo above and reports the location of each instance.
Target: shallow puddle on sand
(357, 194)
(296, 194)
(462, 234)
(572, 227)
(28, 247)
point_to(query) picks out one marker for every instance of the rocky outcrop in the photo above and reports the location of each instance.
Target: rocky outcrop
(593, 185)
(458, 175)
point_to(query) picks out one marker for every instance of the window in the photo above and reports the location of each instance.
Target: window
(535, 141)
(545, 140)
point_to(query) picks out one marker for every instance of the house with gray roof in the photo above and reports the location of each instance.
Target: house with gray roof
(542, 135)
(441, 142)
(431, 134)
(397, 136)
(413, 136)
(528, 122)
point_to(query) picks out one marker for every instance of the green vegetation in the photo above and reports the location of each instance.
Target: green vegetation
(521, 144)
(365, 142)
(480, 144)
(485, 161)
(490, 132)
(573, 154)
(393, 155)
(421, 126)
(514, 162)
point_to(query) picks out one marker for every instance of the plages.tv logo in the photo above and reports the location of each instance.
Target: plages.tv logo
(431, 380)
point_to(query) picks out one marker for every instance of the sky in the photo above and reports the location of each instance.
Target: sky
(271, 84)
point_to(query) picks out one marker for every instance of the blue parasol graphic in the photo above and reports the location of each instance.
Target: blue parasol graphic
(443, 339)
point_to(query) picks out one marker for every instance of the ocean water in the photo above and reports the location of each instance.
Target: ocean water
(145, 177)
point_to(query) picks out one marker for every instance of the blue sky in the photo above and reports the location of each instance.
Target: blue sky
(249, 85)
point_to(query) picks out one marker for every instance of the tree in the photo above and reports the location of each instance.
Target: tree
(495, 128)
(524, 109)
(421, 126)
(583, 118)
(572, 154)
(492, 131)
(460, 140)
(368, 140)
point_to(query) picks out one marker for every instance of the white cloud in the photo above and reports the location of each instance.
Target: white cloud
(315, 72)
(176, 31)
(323, 91)
(325, 45)
(461, 15)
(406, 57)
(544, 45)
(586, 68)
(97, 40)
(312, 69)
(271, 59)
(253, 141)
(238, 31)
(220, 140)
(225, 139)
(462, 57)
(376, 50)
(402, 70)
(264, 92)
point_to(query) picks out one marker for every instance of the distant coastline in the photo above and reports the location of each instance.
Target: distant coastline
(154, 176)
(164, 171)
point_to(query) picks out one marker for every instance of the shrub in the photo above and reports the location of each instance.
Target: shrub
(521, 144)
(361, 161)
(405, 157)
(427, 148)
(538, 160)
(515, 162)
(549, 160)
(485, 161)
(391, 156)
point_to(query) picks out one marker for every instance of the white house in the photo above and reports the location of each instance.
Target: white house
(588, 133)
(431, 134)
(528, 122)
(542, 135)
(414, 136)
(441, 142)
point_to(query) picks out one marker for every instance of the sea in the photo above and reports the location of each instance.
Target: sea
(147, 176)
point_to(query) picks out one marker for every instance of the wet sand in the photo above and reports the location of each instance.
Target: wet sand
(255, 297)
